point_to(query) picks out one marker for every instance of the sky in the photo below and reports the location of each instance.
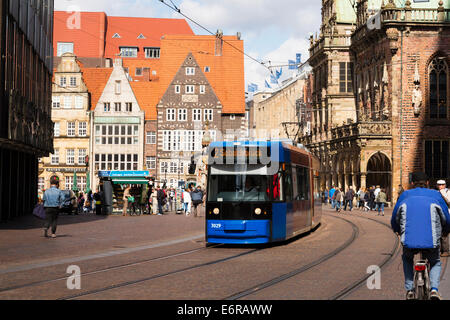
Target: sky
(272, 30)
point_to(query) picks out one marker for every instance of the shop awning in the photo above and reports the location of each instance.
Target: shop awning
(130, 180)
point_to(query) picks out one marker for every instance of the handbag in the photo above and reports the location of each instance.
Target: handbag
(131, 199)
(39, 211)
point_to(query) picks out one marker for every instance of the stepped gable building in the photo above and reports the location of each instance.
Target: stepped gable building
(201, 89)
(402, 54)
(70, 106)
(331, 103)
(26, 128)
(118, 127)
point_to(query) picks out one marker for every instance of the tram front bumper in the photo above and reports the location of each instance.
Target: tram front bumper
(238, 231)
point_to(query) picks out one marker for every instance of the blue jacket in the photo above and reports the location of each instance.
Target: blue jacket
(420, 217)
(53, 198)
(332, 191)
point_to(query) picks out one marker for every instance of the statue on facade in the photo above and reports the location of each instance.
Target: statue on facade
(417, 93)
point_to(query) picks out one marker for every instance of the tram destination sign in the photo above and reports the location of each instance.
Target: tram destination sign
(240, 155)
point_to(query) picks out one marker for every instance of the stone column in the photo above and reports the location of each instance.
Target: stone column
(363, 180)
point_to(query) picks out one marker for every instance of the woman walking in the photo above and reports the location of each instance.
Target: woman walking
(126, 194)
(381, 200)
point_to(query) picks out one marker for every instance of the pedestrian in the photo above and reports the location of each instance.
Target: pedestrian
(381, 201)
(349, 195)
(197, 199)
(445, 192)
(187, 201)
(81, 201)
(361, 195)
(338, 197)
(330, 195)
(126, 194)
(98, 198)
(53, 200)
(372, 198)
(161, 198)
(171, 199)
(155, 200)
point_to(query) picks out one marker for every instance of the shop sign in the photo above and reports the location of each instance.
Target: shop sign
(119, 174)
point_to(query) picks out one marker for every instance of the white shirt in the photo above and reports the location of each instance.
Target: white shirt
(186, 197)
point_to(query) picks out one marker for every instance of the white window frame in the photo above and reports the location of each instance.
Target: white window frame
(129, 106)
(177, 89)
(196, 114)
(152, 53)
(118, 87)
(202, 89)
(151, 163)
(67, 102)
(82, 153)
(64, 47)
(151, 137)
(171, 115)
(129, 52)
(56, 102)
(70, 157)
(189, 89)
(182, 114)
(57, 130)
(82, 129)
(71, 129)
(54, 158)
(73, 82)
(78, 102)
(208, 114)
(190, 71)
(63, 82)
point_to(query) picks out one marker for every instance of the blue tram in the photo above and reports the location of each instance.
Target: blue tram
(261, 192)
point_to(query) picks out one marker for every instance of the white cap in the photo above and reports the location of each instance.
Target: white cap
(441, 182)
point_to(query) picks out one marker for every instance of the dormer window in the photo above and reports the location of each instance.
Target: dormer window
(152, 53)
(116, 36)
(141, 36)
(130, 52)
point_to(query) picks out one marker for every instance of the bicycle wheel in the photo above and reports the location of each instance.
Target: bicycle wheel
(419, 288)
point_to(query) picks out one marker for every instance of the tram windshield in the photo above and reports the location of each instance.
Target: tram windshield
(249, 183)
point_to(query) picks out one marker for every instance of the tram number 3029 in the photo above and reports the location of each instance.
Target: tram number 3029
(216, 225)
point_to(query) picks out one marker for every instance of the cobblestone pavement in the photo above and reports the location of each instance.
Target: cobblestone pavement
(165, 257)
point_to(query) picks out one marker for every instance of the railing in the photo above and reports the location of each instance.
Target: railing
(329, 41)
(391, 13)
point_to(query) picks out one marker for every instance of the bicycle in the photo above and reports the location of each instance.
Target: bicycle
(422, 284)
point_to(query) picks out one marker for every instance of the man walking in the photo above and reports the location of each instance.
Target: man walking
(197, 199)
(53, 200)
(445, 192)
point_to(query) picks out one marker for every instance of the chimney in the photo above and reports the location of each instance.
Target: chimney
(219, 43)
(146, 74)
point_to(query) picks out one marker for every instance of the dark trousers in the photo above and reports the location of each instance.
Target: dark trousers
(160, 207)
(98, 209)
(51, 218)
(350, 203)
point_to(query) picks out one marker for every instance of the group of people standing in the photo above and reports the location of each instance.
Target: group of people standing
(373, 198)
(159, 200)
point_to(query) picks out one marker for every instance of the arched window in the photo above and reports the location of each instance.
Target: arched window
(438, 72)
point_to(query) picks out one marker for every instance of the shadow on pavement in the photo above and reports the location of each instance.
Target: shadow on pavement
(32, 222)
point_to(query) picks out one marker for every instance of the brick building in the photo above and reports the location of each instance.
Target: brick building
(399, 122)
(402, 77)
(202, 86)
(26, 128)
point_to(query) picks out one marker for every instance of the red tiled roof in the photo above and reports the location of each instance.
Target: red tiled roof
(146, 93)
(152, 29)
(94, 36)
(89, 39)
(96, 80)
(226, 74)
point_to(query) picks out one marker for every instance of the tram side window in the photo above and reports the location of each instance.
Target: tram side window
(303, 183)
(288, 184)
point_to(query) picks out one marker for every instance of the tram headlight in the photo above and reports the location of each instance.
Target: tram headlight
(258, 211)
(216, 211)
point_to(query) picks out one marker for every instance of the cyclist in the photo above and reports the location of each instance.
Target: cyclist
(421, 217)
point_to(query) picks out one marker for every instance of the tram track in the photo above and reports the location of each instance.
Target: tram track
(116, 267)
(272, 282)
(319, 261)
